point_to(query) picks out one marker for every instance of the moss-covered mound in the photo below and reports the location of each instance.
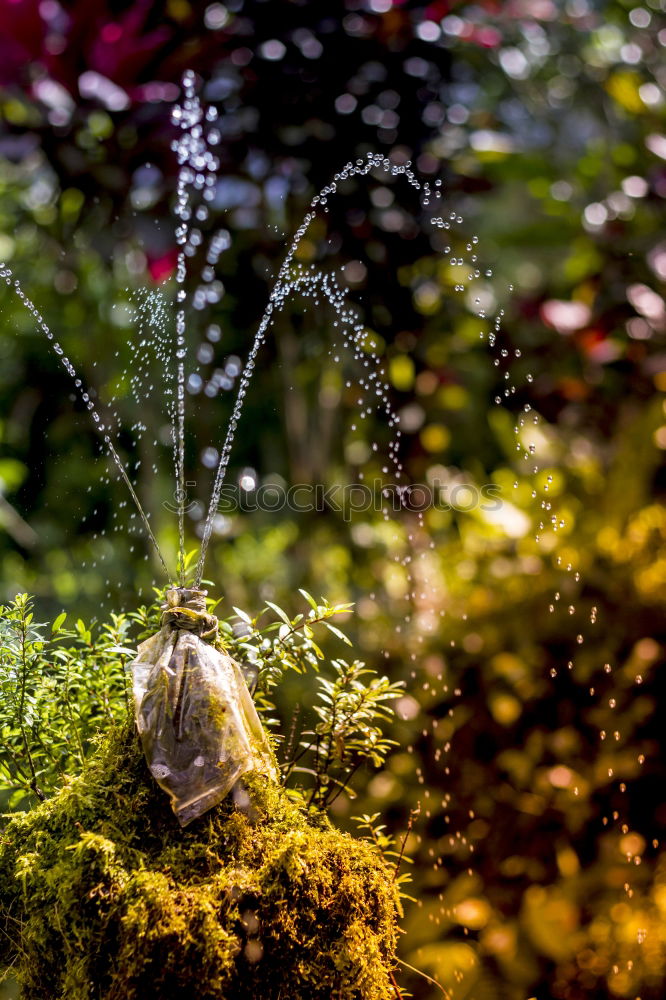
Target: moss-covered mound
(103, 896)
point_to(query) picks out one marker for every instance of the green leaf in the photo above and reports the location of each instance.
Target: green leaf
(309, 598)
(336, 631)
(57, 625)
(279, 612)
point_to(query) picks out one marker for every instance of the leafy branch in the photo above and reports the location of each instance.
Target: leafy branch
(273, 648)
(352, 712)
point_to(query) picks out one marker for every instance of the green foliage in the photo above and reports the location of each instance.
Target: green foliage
(58, 688)
(61, 689)
(273, 648)
(352, 712)
(388, 846)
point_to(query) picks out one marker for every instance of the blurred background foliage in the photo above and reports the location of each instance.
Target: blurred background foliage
(530, 730)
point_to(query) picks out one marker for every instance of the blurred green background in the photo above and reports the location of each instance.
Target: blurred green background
(531, 737)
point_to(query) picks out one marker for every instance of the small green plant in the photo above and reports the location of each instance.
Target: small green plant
(59, 687)
(352, 710)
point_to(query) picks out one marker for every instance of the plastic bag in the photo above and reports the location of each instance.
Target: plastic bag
(196, 719)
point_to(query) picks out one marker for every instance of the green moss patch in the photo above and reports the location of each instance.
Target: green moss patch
(103, 896)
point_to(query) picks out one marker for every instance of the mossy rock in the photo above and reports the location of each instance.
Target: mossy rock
(103, 896)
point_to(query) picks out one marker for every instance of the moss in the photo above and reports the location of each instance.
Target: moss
(102, 895)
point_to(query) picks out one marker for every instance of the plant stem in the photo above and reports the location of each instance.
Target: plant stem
(70, 716)
(425, 976)
(342, 787)
(34, 786)
(413, 813)
(291, 743)
(398, 991)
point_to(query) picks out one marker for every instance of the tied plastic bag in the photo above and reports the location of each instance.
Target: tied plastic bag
(196, 719)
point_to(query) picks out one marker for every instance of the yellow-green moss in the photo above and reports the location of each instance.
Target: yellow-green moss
(103, 896)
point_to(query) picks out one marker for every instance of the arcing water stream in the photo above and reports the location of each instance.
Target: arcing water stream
(197, 177)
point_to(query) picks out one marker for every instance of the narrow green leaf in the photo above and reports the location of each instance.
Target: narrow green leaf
(336, 631)
(57, 625)
(243, 615)
(309, 598)
(279, 612)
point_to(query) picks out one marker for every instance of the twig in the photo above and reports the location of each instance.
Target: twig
(425, 976)
(291, 741)
(413, 813)
(398, 991)
(70, 715)
(34, 786)
(344, 785)
(304, 750)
